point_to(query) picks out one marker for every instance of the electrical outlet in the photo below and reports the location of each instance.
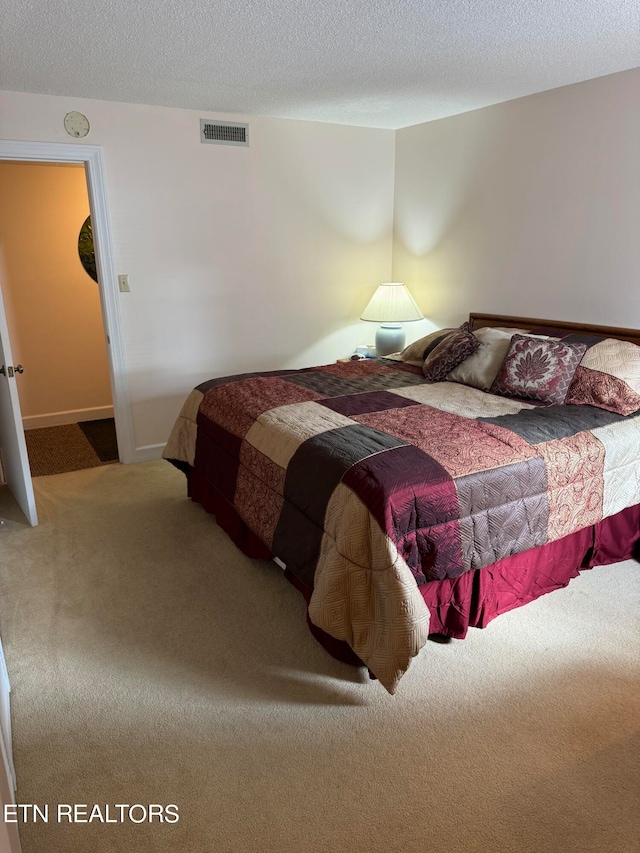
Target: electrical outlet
(123, 284)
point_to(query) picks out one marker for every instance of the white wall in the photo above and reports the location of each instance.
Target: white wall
(529, 208)
(52, 304)
(263, 257)
(239, 258)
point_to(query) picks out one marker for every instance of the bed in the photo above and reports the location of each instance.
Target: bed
(403, 506)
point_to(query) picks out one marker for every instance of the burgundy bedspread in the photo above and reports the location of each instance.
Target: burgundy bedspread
(370, 482)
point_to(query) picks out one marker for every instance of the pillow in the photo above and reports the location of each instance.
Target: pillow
(481, 367)
(416, 352)
(449, 352)
(538, 369)
(608, 376)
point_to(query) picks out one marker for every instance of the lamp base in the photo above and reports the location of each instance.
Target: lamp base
(390, 337)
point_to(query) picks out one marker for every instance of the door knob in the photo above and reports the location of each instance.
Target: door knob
(8, 371)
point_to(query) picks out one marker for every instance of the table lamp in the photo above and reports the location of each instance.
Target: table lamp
(391, 305)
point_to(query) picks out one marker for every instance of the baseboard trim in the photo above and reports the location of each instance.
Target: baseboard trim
(148, 452)
(73, 416)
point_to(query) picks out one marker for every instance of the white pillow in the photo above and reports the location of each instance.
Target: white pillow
(482, 366)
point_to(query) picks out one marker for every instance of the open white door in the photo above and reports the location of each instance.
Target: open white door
(13, 447)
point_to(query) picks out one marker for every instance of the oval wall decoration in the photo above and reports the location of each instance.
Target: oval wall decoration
(85, 249)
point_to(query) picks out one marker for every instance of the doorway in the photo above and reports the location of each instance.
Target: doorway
(52, 305)
(12, 443)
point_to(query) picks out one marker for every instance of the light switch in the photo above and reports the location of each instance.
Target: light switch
(123, 284)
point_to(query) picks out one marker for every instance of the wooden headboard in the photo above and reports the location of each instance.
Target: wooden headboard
(552, 327)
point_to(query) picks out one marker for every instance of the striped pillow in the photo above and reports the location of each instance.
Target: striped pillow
(449, 352)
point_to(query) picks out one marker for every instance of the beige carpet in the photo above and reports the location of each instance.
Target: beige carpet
(152, 663)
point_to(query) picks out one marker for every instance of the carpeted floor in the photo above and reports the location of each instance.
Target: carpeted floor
(151, 662)
(71, 447)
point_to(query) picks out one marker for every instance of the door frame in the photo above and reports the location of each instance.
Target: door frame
(91, 157)
(9, 838)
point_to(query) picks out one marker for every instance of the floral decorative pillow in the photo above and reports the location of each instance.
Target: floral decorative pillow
(449, 352)
(608, 376)
(538, 369)
(481, 368)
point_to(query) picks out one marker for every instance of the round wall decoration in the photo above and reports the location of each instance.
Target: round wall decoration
(76, 124)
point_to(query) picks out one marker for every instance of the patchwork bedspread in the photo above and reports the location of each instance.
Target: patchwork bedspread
(368, 481)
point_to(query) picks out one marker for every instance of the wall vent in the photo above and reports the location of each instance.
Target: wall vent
(224, 132)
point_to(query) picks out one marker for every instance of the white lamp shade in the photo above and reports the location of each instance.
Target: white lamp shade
(392, 303)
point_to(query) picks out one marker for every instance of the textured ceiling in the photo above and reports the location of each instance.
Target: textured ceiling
(378, 63)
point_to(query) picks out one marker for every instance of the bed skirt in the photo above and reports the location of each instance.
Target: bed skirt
(473, 599)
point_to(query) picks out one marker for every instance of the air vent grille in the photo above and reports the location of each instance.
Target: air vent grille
(224, 132)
